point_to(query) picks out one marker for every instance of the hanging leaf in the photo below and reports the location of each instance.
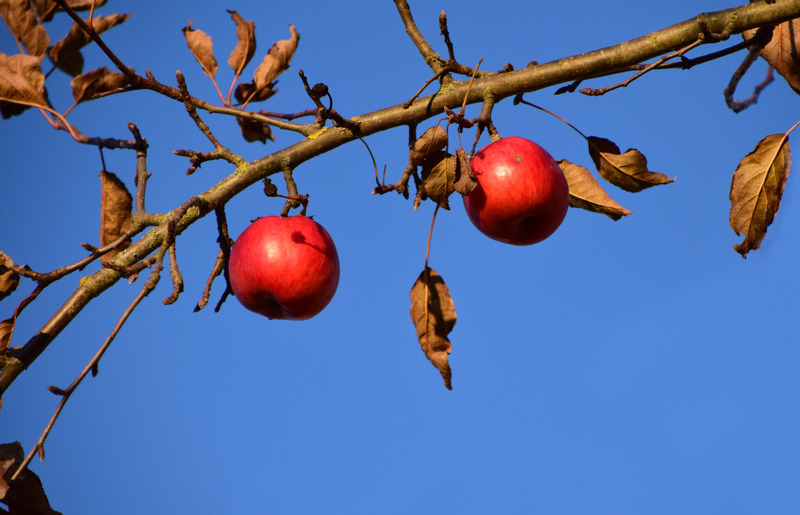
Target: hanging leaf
(245, 43)
(585, 192)
(465, 180)
(253, 131)
(439, 176)
(434, 316)
(277, 60)
(783, 51)
(756, 190)
(627, 171)
(66, 53)
(24, 25)
(102, 80)
(21, 80)
(9, 279)
(431, 140)
(116, 212)
(202, 48)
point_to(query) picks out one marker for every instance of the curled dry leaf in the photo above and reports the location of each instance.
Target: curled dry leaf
(247, 91)
(253, 131)
(465, 175)
(439, 177)
(586, 193)
(245, 43)
(434, 316)
(756, 190)
(9, 279)
(783, 51)
(66, 53)
(431, 140)
(21, 80)
(627, 171)
(102, 80)
(277, 60)
(116, 212)
(24, 25)
(202, 48)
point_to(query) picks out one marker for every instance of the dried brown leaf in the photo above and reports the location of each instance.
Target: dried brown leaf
(25, 495)
(757, 188)
(465, 176)
(782, 52)
(249, 91)
(9, 279)
(277, 60)
(6, 330)
(116, 212)
(90, 84)
(66, 53)
(627, 171)
(202, 48)
(245, 43)
(586, 193)
(439, 177)
(21, 80)
(24, 25)
(253, 131)
(431, 140)
(434, 316)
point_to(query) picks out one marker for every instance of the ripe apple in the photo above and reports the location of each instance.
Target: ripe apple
(284, 267)
(521, 197)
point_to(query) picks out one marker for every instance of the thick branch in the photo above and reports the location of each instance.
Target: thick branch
(592, 64)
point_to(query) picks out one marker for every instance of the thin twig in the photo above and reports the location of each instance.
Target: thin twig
(647, 68)
(175, 275)
(753, 53)
(91, 367)
(446, 34)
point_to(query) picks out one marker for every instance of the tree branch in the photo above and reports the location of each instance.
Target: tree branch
(499, 86)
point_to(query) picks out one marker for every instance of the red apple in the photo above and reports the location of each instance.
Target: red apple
(521, 197)
(284, 267)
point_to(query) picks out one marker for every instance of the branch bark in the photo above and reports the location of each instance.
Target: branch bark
(606, 61)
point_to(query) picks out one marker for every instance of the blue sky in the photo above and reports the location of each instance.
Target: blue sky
(638, 366)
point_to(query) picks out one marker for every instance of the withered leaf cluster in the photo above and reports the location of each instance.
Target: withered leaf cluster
(262, 87)
(626, 170)
(21, 79)
(442, 173)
